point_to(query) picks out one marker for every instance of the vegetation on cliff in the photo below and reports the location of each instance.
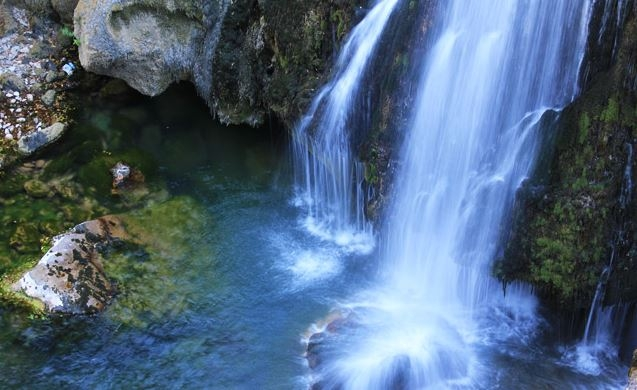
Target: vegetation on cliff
(572, 220)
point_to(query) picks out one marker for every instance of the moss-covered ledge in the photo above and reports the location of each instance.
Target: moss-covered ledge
(571, 218)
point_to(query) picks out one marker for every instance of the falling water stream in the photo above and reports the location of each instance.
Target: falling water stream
(496, 73)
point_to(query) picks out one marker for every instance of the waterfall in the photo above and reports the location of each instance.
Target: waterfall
(495, 73)
(328, 176)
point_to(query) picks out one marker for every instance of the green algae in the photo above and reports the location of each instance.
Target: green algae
(164, 239)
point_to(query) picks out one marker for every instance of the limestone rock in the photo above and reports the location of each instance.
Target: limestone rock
(148, 46)
(35, 141)
(70, 276)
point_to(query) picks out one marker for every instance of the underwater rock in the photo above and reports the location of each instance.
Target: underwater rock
(70, 276)
(24, 237)
(120, 172)
(36, 189)
(35, 141)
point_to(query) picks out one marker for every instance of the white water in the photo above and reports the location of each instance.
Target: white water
(326, 171)
(494, 72)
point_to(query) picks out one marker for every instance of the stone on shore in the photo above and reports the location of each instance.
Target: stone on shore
(35, 141)
(49, 97)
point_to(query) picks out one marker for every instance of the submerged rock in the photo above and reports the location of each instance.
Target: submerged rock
(36, 189)
(70, 276)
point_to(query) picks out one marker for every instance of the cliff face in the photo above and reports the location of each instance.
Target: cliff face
(247, 58)
(575, 222)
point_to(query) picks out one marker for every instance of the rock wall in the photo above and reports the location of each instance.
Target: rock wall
(575, 222)
(247, 58)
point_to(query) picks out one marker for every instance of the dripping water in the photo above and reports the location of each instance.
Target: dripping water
(604, 323)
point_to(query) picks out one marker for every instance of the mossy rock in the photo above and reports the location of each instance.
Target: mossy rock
(11, 185)
(96, 174)
(37, 189)
(25, 238)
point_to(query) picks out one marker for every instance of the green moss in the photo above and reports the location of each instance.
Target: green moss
(584, 125)
(610, 114)
(340, 19)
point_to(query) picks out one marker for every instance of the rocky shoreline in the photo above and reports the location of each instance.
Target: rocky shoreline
(36, 72)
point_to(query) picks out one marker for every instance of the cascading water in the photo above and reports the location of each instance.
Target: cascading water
(497, 71)
(326, 170)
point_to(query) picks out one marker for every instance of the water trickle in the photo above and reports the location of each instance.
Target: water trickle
(492, 76)
(616, 9)
(604, 324)
(328, 176)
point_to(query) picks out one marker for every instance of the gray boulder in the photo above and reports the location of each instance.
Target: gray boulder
(35, 141)
(11, 82)
(49, 97)
(148, 44)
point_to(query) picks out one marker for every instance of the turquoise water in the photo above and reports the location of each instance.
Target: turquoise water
(234, 281)
(226, 311)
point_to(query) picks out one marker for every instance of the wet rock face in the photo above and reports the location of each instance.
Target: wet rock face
(579, 209)
(246, 58)
(70, 276)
